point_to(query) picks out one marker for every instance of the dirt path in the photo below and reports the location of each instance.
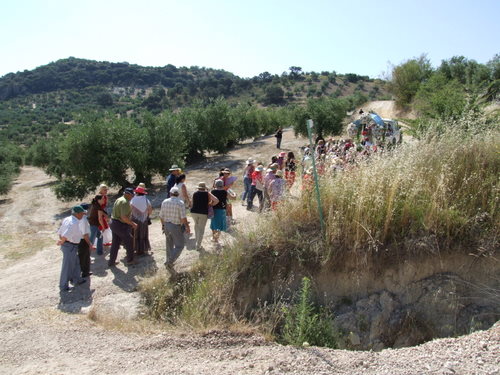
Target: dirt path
(45, 333)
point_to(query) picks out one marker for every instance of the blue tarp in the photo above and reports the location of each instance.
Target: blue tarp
(378, 120)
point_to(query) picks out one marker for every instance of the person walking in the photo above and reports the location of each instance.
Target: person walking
(290, 169)
(279, 136)
(268, 178)
(247, 180)
(277, 189)
(97, 221)
(141, 210)
(218, 223)
(229, 181)
(180, 183)
(202, 199)
(256, 188)
(85, 246)
(121, 225)
(70, 233)
(171, 179)
(173, 220)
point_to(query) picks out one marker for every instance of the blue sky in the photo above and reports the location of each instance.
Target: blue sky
(248, 37)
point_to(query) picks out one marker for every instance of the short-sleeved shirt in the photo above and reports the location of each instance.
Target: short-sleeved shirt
(121, 208)
(71, 229)
(172, 210)
(221, 195)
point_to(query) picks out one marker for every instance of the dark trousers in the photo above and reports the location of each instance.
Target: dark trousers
(254, 191)
(278, 142)
(84, 255)
(121, 235)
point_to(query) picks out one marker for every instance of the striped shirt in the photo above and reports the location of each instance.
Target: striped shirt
(172, 210)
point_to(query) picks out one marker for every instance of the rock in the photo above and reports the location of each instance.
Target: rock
(354, 339)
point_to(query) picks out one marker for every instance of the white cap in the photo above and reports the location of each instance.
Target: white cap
(174, 190)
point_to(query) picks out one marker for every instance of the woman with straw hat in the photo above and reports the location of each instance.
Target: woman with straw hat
(202, 200)
(247, 180)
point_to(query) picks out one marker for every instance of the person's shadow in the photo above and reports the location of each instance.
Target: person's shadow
(127, 280)
(74, 300)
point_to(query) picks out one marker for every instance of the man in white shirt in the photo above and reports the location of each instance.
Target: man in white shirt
(173, 217)
(70, 233)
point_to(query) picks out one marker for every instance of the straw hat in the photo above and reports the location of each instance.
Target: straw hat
(202, 186)
(250, 161)
(174, 167)
(279, 173)
(142, 185)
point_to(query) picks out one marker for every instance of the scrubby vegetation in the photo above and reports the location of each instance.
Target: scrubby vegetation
(439, 195)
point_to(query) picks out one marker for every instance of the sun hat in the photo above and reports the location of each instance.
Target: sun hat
(142, 185)
(103, 186)
(250, 161)
(174, 167)
(274, 166)
(269, 170)
(279, 173)
(219, 183)
(202, 186)
(282, 154)
(174, 190)
(259, 168)
(140, 190)
(78, 210)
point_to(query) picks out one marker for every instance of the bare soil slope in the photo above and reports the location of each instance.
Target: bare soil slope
(46, 333)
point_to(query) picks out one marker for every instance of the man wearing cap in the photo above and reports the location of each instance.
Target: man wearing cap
(70, 233)
(121, 226)
(172, 177)
(173, 217)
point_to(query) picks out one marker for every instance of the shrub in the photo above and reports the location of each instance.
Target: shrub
(306, 323)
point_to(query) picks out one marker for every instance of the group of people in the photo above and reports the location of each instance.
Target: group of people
(268, 183)
(129, 219)
(82, 232)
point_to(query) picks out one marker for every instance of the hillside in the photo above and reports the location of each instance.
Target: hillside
(32, 103)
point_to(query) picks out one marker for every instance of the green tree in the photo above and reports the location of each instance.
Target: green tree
(327, 113)
(274, 95)
(407, 77)
(440, 98)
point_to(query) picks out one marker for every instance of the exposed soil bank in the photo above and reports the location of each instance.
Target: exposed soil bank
(400, 304)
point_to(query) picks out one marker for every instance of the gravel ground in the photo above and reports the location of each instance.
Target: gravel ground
(43, 332)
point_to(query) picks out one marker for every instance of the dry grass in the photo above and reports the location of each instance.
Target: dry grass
(444, 187)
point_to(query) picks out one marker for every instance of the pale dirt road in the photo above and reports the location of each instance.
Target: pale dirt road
(45, 333)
